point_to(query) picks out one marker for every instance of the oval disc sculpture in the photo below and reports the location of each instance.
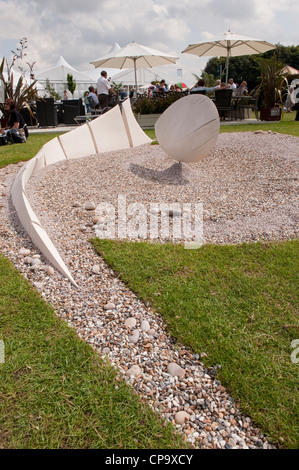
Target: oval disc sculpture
(188, 130)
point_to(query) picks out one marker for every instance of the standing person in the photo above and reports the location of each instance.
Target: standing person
(65, 96)
(16, 131)
(103, 90)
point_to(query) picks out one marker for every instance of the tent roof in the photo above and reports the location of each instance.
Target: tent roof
(59, 72)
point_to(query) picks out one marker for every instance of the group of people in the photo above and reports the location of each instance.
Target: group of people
(238, 90)
(241, 89)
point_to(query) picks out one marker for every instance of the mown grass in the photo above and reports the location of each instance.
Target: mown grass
(237, 304)
(21, 152)
(285, 126)
(56, 392)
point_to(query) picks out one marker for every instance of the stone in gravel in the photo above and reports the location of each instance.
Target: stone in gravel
(96, 269)
(106, 350)
(75, 204)
(27, 260)
(134, 370)
(109, 306)
(35, 261)
(232, 442)
(82, 228)
(38, 285)
(145, 326)
(50, 271)
(24, 252)
(99, 219)
(90, 206)
(130, 322)
(34, 267)
(181, 417)
(36, 256)
(175, 370)
(134, 337)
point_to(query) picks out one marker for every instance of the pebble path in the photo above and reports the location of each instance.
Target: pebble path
(248, 188)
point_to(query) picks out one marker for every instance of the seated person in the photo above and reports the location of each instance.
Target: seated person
(163, 86)
(93, 97)
(16, 131)
(124, 94)
(243, 90)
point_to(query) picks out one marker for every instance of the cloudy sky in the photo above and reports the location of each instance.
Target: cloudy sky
(84, 30)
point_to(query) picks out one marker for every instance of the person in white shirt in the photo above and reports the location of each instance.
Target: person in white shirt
(103, 90)
(231, 83)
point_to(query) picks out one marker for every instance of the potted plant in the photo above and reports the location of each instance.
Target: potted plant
(269, 92)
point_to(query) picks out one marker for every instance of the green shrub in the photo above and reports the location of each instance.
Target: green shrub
(155, 105)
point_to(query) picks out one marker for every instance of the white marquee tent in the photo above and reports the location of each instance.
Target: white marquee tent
(57, 76)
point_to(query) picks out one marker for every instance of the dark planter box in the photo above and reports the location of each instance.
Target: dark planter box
(270, 114)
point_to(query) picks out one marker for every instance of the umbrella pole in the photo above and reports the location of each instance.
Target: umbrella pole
(226, 66)
(135, 76)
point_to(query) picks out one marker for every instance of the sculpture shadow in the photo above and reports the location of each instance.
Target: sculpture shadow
(172, 175)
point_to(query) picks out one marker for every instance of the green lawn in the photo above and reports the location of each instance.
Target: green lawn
(239, 305)
(22, 152)
(285, 126)
(56, 392)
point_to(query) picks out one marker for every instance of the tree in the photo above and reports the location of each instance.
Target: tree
(71, 84)
(50, 90)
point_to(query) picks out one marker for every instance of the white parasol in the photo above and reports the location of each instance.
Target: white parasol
(230, 45)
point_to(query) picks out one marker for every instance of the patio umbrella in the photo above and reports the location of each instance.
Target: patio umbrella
(135, 56)
(288, 70)
(231, 45)
(182, 85)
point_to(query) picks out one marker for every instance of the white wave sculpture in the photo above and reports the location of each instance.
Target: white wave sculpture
(117, 129)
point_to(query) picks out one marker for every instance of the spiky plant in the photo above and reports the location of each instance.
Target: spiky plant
(273, 83)
(21, 94)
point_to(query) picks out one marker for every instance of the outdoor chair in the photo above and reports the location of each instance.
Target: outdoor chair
(223, 103)
(92, 106)
(46, 112)
(198, 92)
(249, 103)
(72, 109)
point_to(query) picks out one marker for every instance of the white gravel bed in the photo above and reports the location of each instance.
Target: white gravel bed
(248, 190)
